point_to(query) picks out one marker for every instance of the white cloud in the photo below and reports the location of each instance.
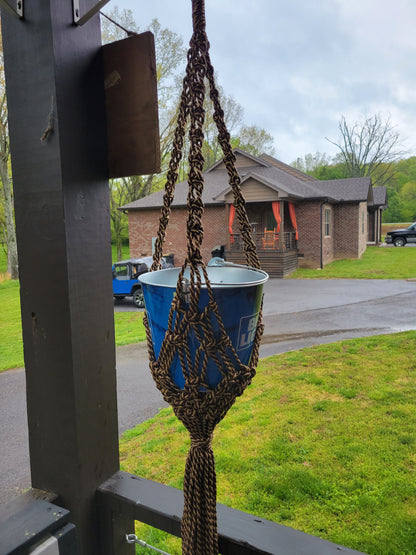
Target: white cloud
(297, 67)
(404, 93)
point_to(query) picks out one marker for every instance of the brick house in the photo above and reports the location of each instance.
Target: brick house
(296, 219)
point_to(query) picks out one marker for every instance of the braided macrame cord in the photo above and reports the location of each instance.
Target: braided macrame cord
(195, 335)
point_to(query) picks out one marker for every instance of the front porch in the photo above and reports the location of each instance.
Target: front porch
(277, 252)
(275, 233)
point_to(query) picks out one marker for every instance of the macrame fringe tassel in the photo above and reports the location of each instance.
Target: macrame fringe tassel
(199, 520)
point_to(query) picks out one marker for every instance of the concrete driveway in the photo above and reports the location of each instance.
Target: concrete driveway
(297, 313)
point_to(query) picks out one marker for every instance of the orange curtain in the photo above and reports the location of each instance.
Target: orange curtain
(230, 222)
(293, 218)
(276, 213)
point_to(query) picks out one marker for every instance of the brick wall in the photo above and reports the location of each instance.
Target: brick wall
(308, 217)
(346, 239)
(347, 231)
(143, 226)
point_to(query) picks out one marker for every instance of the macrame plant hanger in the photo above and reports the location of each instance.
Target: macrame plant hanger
(198, 405)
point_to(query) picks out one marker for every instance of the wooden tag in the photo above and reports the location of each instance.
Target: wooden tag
(132, 108)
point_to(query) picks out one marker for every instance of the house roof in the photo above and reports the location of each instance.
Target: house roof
(287, 181)
(288, 169)
(380, 196)
(354, 189)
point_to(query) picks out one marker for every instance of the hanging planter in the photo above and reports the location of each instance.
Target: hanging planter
(238, 294)
(203, 323)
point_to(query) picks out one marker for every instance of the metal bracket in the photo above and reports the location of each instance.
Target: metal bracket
(78, 20)
(17, 11)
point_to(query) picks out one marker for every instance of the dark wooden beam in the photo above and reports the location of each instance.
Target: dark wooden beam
(27, 519)
(59, 159)
(239, 533)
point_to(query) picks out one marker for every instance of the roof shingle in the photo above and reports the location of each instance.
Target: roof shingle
(277, 176)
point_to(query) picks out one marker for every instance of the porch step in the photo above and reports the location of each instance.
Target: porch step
(276, 264)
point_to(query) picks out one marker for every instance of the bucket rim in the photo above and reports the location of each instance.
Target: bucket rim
(147, 277)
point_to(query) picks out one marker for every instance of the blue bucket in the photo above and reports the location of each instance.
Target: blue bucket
(238, 291)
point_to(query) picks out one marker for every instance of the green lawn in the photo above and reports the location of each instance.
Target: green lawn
(11, 343)
(323, 441)
(393, 263)
(3, 263)
(376, 263)
(128, 325)
(126, 252)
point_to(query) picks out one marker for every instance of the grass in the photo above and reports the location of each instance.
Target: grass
(11, 343)
(323, 441)
(390, 227)
(375, 263)
(128, 325)
(3, 265)
(125, 251)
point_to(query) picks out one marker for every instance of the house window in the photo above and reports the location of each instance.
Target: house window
(363, 222)
(327, 220)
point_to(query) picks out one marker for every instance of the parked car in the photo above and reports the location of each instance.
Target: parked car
(126, 278)
(399, 237)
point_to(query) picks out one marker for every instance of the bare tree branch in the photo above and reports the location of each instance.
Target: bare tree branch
(369, 148)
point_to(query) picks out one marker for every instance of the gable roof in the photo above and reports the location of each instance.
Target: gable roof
(249, 160)
(354, 189)
(287, 181)
(380, 196)
(288, 169)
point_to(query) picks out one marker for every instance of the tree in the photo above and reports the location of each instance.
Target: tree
(254, 140)
(394, 211)
(123, 191)
(369, 148)
(170, 57)
(117, 25)
(7, 226)
(170, 54)
(320, 166)
(408, 194)
(233, 117)
(401, 202)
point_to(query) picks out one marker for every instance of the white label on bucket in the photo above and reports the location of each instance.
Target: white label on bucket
(247, 331)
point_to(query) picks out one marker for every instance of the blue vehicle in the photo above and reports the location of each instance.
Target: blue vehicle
(126, 279)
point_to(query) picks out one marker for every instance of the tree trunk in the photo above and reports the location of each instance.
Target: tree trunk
(12, 261)
(119, 246)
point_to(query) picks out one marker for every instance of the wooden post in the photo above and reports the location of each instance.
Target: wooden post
(282, 227)
(57, 126)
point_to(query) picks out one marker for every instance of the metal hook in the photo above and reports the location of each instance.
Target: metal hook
(132, 538)
(78, 20)
(17, 11)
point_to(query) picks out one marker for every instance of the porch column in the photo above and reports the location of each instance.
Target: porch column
(231, 216)
(55, 96)
(282, 226)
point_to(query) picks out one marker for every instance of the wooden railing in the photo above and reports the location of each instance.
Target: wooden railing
(161, 507)
(35, 519)
(268, 241)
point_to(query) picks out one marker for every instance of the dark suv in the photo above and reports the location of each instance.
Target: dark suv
(399, 237)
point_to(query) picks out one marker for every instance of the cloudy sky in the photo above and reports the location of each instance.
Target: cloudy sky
(297, 66)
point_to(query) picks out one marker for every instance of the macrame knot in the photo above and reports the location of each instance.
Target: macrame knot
(210, 375)
(201, 443)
